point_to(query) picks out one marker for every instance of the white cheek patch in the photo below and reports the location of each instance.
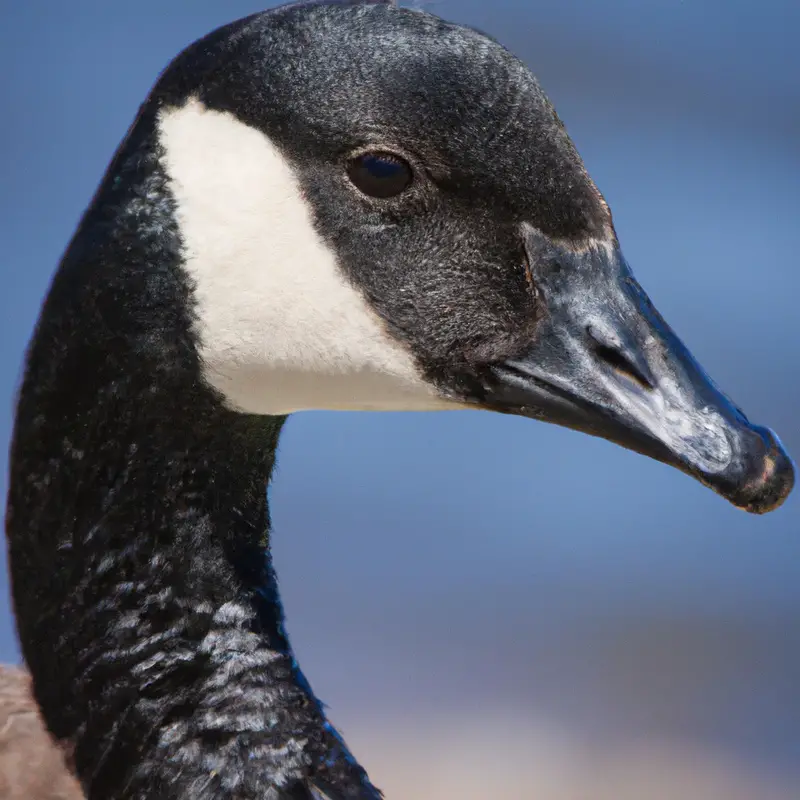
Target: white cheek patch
(281, 329)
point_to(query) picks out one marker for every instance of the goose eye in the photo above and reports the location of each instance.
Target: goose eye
(380, 174)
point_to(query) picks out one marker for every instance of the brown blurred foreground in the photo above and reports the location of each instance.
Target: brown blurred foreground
(31, 766)
(439, 759)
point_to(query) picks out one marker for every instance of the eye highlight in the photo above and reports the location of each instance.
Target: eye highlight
(380, 174)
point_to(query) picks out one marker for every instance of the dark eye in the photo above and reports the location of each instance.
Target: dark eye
(380, 174)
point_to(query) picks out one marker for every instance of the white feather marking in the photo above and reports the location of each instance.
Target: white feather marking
(281, 329)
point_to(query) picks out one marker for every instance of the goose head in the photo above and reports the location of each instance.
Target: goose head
(382, 210)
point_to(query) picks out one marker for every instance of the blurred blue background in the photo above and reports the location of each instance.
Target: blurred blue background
(466, 566)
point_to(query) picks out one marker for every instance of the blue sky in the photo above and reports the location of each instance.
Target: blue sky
(403, 535)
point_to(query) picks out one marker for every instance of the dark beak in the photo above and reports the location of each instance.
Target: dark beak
(606, 363)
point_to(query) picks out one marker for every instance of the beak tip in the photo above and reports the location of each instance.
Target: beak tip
(773, 478)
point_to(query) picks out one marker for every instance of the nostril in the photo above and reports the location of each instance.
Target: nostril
(619, 351)
(617, 360)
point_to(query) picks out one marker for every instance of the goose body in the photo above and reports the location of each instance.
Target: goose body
(323, 206)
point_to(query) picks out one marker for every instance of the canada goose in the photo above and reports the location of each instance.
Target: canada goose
(331, 206)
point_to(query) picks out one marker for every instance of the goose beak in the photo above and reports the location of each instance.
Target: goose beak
(605, 362)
